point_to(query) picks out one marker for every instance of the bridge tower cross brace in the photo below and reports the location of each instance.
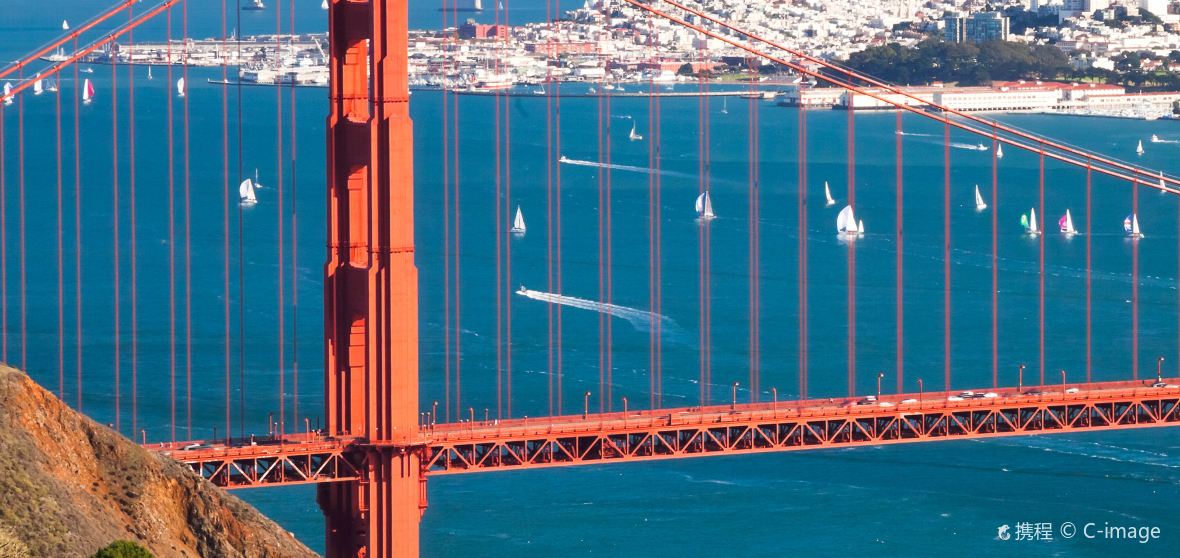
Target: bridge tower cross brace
(371, 285)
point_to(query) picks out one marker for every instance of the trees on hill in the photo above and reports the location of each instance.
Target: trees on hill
(967, 64)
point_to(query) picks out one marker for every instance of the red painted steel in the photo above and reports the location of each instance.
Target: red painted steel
(371, 285)
(482, 446)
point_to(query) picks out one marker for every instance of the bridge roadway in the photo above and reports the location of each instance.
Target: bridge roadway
(474, 446)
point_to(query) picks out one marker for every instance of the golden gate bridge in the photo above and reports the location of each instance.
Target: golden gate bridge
(378, 445)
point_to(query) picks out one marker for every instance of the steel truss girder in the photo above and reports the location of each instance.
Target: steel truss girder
(617, 443)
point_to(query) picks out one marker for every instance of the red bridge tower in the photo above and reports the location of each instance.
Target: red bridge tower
(371, 284)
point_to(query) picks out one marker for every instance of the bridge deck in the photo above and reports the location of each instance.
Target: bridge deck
(695, 431)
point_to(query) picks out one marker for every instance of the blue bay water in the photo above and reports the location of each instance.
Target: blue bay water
(925, 500)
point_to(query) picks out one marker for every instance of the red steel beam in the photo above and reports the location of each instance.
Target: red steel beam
(1138, 173)
(793, 426)
(692, 432)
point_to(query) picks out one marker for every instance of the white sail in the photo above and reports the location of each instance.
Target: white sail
(1135, 226)
(1032, 221)
(38, 87)
(180, 87)
(1000, 151)
(1067, 224)
(8, 93)
(246, 192)
(150, 73)
(518, 222)
(324, 6)
(699, 206)
(707, 212)
(846, 222)
(65, 25)
(860, 226)
(1139, 148)
(87, 91)
(979, 203)
(724, 106)
(828, 194)
(635, 136)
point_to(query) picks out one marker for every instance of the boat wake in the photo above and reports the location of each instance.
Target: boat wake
(970, 146)
(628, 168)
(639, 319)
(917, 134)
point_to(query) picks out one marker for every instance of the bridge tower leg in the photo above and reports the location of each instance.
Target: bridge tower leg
(371, 284)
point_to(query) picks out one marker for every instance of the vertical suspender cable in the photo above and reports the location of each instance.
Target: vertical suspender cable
(77, 230)
(133, 237)
(294, 254)
(1041, 264)
(1089, 323)
(171, 232)
(1135, 287)
(446, 248)
(241, 243)
(851, 250)
(61, 349)
(946, 257)
(20, 167)
(995, 267)
(802, 249)
(900, 281)
(3, 243)
(227, 347)
(115, 233)
(508, 250)
(188, 249)
(281, 272)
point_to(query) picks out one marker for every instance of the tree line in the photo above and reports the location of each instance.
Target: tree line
(963, 63)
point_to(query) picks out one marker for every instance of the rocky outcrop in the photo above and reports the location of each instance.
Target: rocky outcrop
(69, 486)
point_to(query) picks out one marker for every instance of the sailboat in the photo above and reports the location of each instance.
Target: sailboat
(1029, 222)
(254, 5)
(704, 206)
(246, 192)
(1163, 186)
(38, 87)
(324, 6)
(634, 136)
(847, 225)
(1000, 151)
(724, 105)
(8, 93)
(828, 195)
(979, 203)
(65, 25)
(1065, 224)
(257, 183)
(518, 222)
(180, 87)
(87, 92)
(1139, 148)
(150, 73)
(1131, 226)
